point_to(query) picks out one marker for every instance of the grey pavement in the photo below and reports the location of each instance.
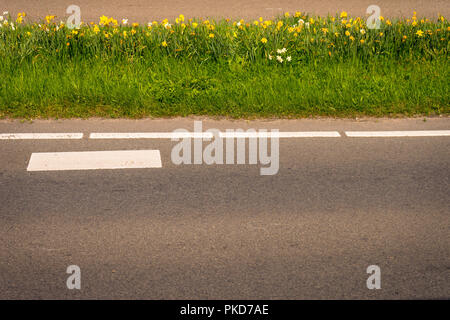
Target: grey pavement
(336, 206)
(144, 11)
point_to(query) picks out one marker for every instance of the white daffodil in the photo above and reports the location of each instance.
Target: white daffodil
(279, 59)
(270, 57)
(301, 22)
(124, 21)
(168, 25)
(5, 13)
(362, 31)
(289, 58)
(1, 18)
(238, 24)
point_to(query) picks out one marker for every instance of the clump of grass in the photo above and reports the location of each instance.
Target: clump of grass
(294, 66)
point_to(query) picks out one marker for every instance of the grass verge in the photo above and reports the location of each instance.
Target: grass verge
(176, 88)
(333, 67)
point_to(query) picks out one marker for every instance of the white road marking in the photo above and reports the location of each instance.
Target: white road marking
(151, 135)
(94, 160)
(209, 135)
(422, 133)
(269, 134)
(28, 136)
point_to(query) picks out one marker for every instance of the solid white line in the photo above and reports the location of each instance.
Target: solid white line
(37, 136)
(94, 160)
(209, 135)
(150, 135)
(423, 133)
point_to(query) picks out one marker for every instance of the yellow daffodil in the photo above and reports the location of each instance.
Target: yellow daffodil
(105, 21)
(279, 25)
(49, 19)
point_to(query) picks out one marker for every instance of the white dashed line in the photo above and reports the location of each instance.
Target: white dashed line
(423, 133)
(38, 136)
(274, 134)
(231, 134)
(209, 135)
(151, 135)
(94, 160)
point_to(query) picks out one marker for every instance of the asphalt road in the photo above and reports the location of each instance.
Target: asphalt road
(144, 10)
(336, 206)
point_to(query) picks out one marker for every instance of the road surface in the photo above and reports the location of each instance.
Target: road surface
(336, 206)
(144, 11)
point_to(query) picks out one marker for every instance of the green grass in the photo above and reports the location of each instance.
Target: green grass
(136, 76)
(174, 88)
